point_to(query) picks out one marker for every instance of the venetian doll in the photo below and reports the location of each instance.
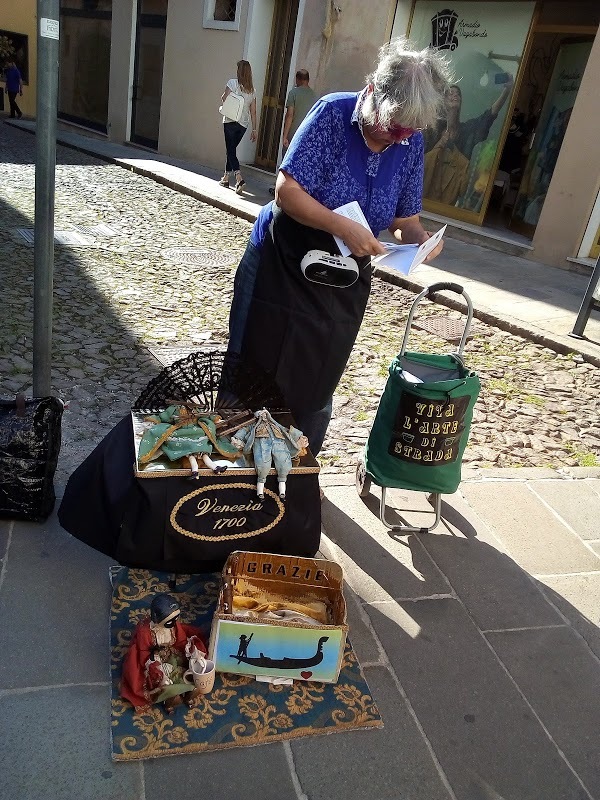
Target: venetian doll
(182, 433)
(269, 442)
(158, 657)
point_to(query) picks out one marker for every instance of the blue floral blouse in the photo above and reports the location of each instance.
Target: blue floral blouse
(330, 159)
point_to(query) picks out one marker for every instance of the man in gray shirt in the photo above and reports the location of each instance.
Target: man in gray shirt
(299, 102)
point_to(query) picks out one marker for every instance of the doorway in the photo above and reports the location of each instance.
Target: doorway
(527, 161)
(276, 81)
(85, 34)
(148, 72)
(551, 125)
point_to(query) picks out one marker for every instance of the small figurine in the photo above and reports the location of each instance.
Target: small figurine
(268, 441)
(157, 659)
(180, 432)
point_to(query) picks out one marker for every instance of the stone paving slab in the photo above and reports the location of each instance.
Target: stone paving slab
(260, 772)
(575, 502)
(481, 729)
(392, 763)
(56, 746)
(533, 535)
(495, 590)
(561, 680)
(376, 566)
(58, 588)
(577, 597)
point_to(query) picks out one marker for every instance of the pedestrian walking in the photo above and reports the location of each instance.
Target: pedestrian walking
(300, 100)
(364, 146)
(14, 87)
(234, 130)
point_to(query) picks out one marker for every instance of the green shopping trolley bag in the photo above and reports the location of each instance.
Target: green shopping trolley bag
(423, 420)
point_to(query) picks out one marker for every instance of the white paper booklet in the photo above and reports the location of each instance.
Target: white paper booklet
(406, 257)
(403, 257)
(350, 211)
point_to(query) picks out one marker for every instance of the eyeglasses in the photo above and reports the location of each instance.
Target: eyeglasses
(396, 131)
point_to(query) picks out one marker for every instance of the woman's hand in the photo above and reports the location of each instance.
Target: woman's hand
(253, 136)
(408, 230)
(359, 239)
(295, 201)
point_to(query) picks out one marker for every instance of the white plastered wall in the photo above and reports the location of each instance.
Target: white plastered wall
(198, 63)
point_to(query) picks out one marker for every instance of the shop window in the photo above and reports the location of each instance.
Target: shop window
(85, 34)
(484, 45)
(222, 14)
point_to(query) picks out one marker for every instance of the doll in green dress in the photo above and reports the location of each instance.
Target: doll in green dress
(179, 432)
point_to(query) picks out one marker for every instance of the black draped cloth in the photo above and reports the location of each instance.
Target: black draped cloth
(180, 525)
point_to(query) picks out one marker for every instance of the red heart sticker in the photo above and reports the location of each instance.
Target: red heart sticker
(306, 675)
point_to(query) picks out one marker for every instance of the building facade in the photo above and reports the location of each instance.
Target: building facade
(527, 157)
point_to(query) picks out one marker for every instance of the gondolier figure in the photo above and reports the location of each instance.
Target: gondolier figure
(243, 648)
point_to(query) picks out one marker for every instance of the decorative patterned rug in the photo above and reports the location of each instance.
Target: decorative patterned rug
(239, 711)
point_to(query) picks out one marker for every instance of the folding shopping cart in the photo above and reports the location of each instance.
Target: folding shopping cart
(423, 421)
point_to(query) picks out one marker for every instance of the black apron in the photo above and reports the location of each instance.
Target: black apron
(301, 332)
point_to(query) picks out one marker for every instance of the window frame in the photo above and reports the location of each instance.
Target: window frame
(209, 20)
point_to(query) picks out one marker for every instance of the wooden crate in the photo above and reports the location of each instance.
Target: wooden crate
(259, 647)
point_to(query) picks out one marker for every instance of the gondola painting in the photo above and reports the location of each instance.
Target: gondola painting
(279, 651)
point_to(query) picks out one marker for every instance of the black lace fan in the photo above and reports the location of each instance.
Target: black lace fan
(211, 379)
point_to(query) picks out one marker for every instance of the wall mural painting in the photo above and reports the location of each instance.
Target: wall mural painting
(484, 45)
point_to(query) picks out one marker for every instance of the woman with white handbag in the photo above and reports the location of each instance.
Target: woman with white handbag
(238, 109)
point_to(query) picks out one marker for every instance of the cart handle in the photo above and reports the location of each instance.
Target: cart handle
(427, 292)
(444, 286)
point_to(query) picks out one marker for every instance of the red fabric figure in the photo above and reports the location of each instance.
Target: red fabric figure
(143, 677)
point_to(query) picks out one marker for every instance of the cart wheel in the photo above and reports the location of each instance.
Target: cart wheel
(363, 481)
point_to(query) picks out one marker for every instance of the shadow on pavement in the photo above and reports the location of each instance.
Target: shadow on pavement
(501, 680)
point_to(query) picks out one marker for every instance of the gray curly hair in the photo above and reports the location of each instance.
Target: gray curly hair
(408, 86)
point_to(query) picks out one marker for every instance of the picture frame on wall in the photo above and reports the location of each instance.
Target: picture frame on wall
(20, 44)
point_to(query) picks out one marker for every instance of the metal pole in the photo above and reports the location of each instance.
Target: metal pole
(48, 12)
(587, 304)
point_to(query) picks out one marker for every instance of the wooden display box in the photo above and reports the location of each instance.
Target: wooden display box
(304, 464)
(282, 649)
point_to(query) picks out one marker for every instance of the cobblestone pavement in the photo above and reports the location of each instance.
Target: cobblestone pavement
(121, 296)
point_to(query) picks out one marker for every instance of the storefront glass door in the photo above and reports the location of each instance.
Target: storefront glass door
(147, 84)
(276, 81)
(550, 131)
